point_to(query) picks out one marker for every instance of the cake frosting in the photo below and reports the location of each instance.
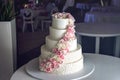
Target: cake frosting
(50, 43)
(61, 54)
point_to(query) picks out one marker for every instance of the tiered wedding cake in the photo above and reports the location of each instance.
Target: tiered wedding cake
(61, 54)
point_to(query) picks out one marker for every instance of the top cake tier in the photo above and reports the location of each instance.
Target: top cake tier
(61, 20)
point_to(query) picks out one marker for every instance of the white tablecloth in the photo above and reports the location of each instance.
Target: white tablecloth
(106, 68)
(85, 6)
(115, 3)
(82, 6)
(100, 30)
(105, 9)
(102, 17)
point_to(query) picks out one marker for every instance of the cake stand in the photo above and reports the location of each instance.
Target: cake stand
(32, 69)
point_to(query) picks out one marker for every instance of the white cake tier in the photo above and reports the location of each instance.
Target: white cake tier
(51, 43)
(56, 34)
(70, 57)
(68, 68)
(60, 23)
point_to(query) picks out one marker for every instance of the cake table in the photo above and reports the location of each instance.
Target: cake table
(106, 68)
(99, 30)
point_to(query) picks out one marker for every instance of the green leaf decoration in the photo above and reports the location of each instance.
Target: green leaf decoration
(6, 11)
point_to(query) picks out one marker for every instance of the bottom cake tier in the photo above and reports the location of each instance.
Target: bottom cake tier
(68, 68)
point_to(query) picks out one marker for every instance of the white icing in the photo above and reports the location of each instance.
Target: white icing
(60, 23)
(56, 34)
(70, 57)
(69, 68)
(50, 44)
(73, 60)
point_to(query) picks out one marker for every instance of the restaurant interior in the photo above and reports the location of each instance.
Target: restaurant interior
(34, 17)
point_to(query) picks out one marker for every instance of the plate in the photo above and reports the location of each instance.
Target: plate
(32, 69)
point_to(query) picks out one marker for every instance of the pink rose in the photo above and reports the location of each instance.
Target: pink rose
(61, 56)
(65, 37)
(61, 41)
(60, 62)
(48, 70)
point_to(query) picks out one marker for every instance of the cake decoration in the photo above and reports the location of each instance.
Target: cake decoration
(61, 54)
(61, 49)
(63, 16)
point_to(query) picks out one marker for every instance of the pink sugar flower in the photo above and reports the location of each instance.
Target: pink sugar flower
(63, 15)
(65, 51)
(59, 53)
(61, 56)
(51, 59)
(48, 63)
(57, 65)
(54, 63)
(62, 41)
(67, 35)
(48, 69)
(62, 47)
(55, 50)
(41, 64)
(65, 38)
(60, 62)
(70, 29)
(68, 15)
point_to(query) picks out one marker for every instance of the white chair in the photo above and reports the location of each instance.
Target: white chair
(39, 20)
(27, 19)
(46, 23)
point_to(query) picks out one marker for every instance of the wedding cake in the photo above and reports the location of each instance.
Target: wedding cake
(61, 54)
